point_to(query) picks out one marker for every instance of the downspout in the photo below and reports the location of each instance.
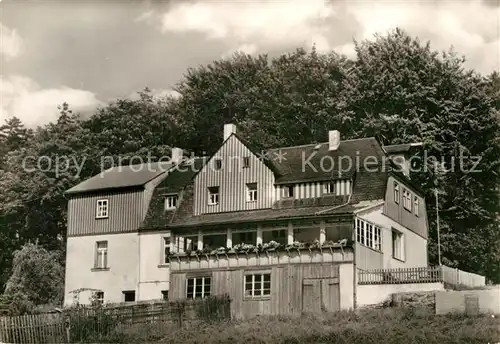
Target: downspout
(354, 267)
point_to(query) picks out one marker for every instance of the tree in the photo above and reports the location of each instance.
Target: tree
(38, 274)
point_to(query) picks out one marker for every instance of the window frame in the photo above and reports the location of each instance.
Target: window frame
(401, 241)
(252, 192)
(99, 297)
(129, 292)
(330, 188)
(164, 256)
(203, 285)
(168, 204)
(105, 255)
(217, 164)
(216, 195)
(163, 294)
(287, 191)
(416, 205)
(264, 293)
(246, 162)
(396, 194)
(369, 234)
(407, 199)
(102, 210)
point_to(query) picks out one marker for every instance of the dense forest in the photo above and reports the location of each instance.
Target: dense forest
(398, 89)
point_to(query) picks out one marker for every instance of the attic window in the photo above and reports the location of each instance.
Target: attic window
(396, 193)
(102, 209)
(218, 164)
(329, 188)
(287, 191)
(213, 195)
(171, 202)
(246, 162)
(407, 199)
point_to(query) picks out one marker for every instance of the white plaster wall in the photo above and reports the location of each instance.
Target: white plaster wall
(378, 293)
(454, 301)
(153, 274)
(346, 286)
(123, 262)
(415, 246)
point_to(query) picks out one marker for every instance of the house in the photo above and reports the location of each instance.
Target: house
(281, 231)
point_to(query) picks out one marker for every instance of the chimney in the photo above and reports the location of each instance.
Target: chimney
(228, 130)
(177, 155)
(333, 140)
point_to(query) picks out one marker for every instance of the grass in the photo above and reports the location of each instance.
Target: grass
(391, 326)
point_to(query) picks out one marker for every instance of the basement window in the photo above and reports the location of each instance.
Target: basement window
(129, 296)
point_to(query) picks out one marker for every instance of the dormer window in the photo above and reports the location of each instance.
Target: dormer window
(213, 195)
(218, 164)
(329, 188)
(246, 162)
(171, 202)
(252, 192)
(102, 209)
(396, 193)
(287, 191)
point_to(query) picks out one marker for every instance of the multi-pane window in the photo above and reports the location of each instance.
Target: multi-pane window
(102, 209)
(129, 296)
(252, 192)
(198, 287)
(213, 195)
(406, 199)
(279, 235)
(165, 250)
(397, 245)
(101, 255)
(170, 202)
(99, 297)
(415, 205)
(396, 192)
(244, 238)
(368, 234)
(329, 188)
(257, 285)
(246, 162)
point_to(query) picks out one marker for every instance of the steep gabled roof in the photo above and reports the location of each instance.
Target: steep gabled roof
(313, 162)
(122, 177)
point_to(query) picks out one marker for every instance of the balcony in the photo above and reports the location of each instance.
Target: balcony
(264, 255)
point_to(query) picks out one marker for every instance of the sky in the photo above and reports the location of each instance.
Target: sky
(90, 52)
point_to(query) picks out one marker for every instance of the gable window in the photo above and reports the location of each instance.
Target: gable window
(213, 195)
(246, 162)
(415, 205)
(257, 285)
(287, 191)
(396, 193)
(397, 245)
(170, 202)
(165, 250)
(368, 234)
(329, 188)
(407, 199)
(252, 192)
(129, 296)
(101, 255)
(102, 209)
(198, 287)
(218, 163)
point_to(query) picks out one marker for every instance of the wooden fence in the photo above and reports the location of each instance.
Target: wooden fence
(453, 277)
(86, 324)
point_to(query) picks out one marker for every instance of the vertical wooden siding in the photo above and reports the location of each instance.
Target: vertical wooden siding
(417, 224)
(232, 179)
(286, 288)
(368, 259)
(126, 213)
